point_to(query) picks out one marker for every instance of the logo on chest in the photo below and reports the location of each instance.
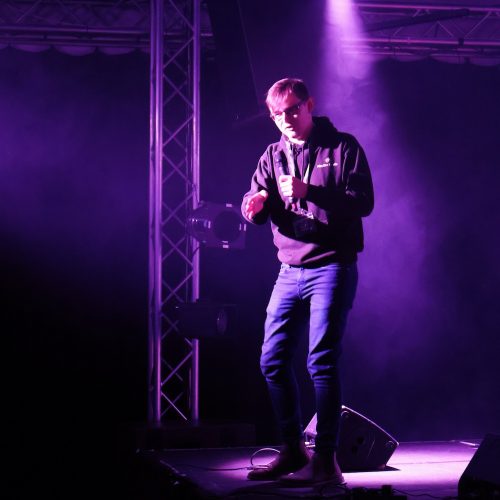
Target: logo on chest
(326, 162)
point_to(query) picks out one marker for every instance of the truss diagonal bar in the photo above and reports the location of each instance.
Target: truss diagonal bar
(186, 20)
(176, 375)
(172, 216)
(179, 169)
(173, 57)
(173, 291)
(180, 253)
(174, 210)
(176, 369)
(478, 24)
(171, 405)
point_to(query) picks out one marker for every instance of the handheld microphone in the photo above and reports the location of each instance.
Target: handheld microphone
(282, 166)
(278, 161)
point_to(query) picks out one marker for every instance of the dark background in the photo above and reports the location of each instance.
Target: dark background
(421, 350)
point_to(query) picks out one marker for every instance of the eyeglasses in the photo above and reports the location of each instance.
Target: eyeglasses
(289, 112)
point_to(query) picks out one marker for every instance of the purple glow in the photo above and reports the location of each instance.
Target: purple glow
(398, 237)
(341, 14)
(341, 23)
(420, 351)
(341, 72)
(419, 468)
(425, 318)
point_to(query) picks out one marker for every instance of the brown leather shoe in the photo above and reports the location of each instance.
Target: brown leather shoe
(290, 459)
(322, 468)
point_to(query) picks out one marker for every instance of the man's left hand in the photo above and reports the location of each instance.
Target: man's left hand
(291, 187)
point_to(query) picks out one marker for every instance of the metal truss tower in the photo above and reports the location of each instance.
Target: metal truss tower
(174, 189)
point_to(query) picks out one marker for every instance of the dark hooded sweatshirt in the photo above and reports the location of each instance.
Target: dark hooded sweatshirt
(340, 192)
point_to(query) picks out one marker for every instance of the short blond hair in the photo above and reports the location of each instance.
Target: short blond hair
(280, 90)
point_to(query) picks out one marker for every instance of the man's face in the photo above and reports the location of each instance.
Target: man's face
(293, 117)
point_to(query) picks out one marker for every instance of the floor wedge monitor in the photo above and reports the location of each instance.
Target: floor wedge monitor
(363, 445)
(481, 478)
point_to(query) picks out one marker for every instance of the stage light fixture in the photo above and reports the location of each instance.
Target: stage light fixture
(204, 318)
(217, 225)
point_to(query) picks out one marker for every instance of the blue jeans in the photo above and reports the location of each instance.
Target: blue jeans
(323, 296)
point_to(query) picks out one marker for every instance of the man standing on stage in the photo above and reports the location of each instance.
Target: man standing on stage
(315, 186)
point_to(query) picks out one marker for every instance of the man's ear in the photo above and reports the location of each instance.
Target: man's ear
(310, 104)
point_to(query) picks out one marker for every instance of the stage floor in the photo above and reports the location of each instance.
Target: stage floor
(416, 469)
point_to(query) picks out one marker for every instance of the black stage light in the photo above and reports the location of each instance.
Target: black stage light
(205, 318)
(218, 225)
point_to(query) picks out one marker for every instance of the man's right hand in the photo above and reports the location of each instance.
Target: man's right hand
(255, 203)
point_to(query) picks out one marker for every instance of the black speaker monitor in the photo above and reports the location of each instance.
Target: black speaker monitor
(481, 478)
(363, 445)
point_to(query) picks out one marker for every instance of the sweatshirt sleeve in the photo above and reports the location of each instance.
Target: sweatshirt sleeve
(354, 196)
(262, 179)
